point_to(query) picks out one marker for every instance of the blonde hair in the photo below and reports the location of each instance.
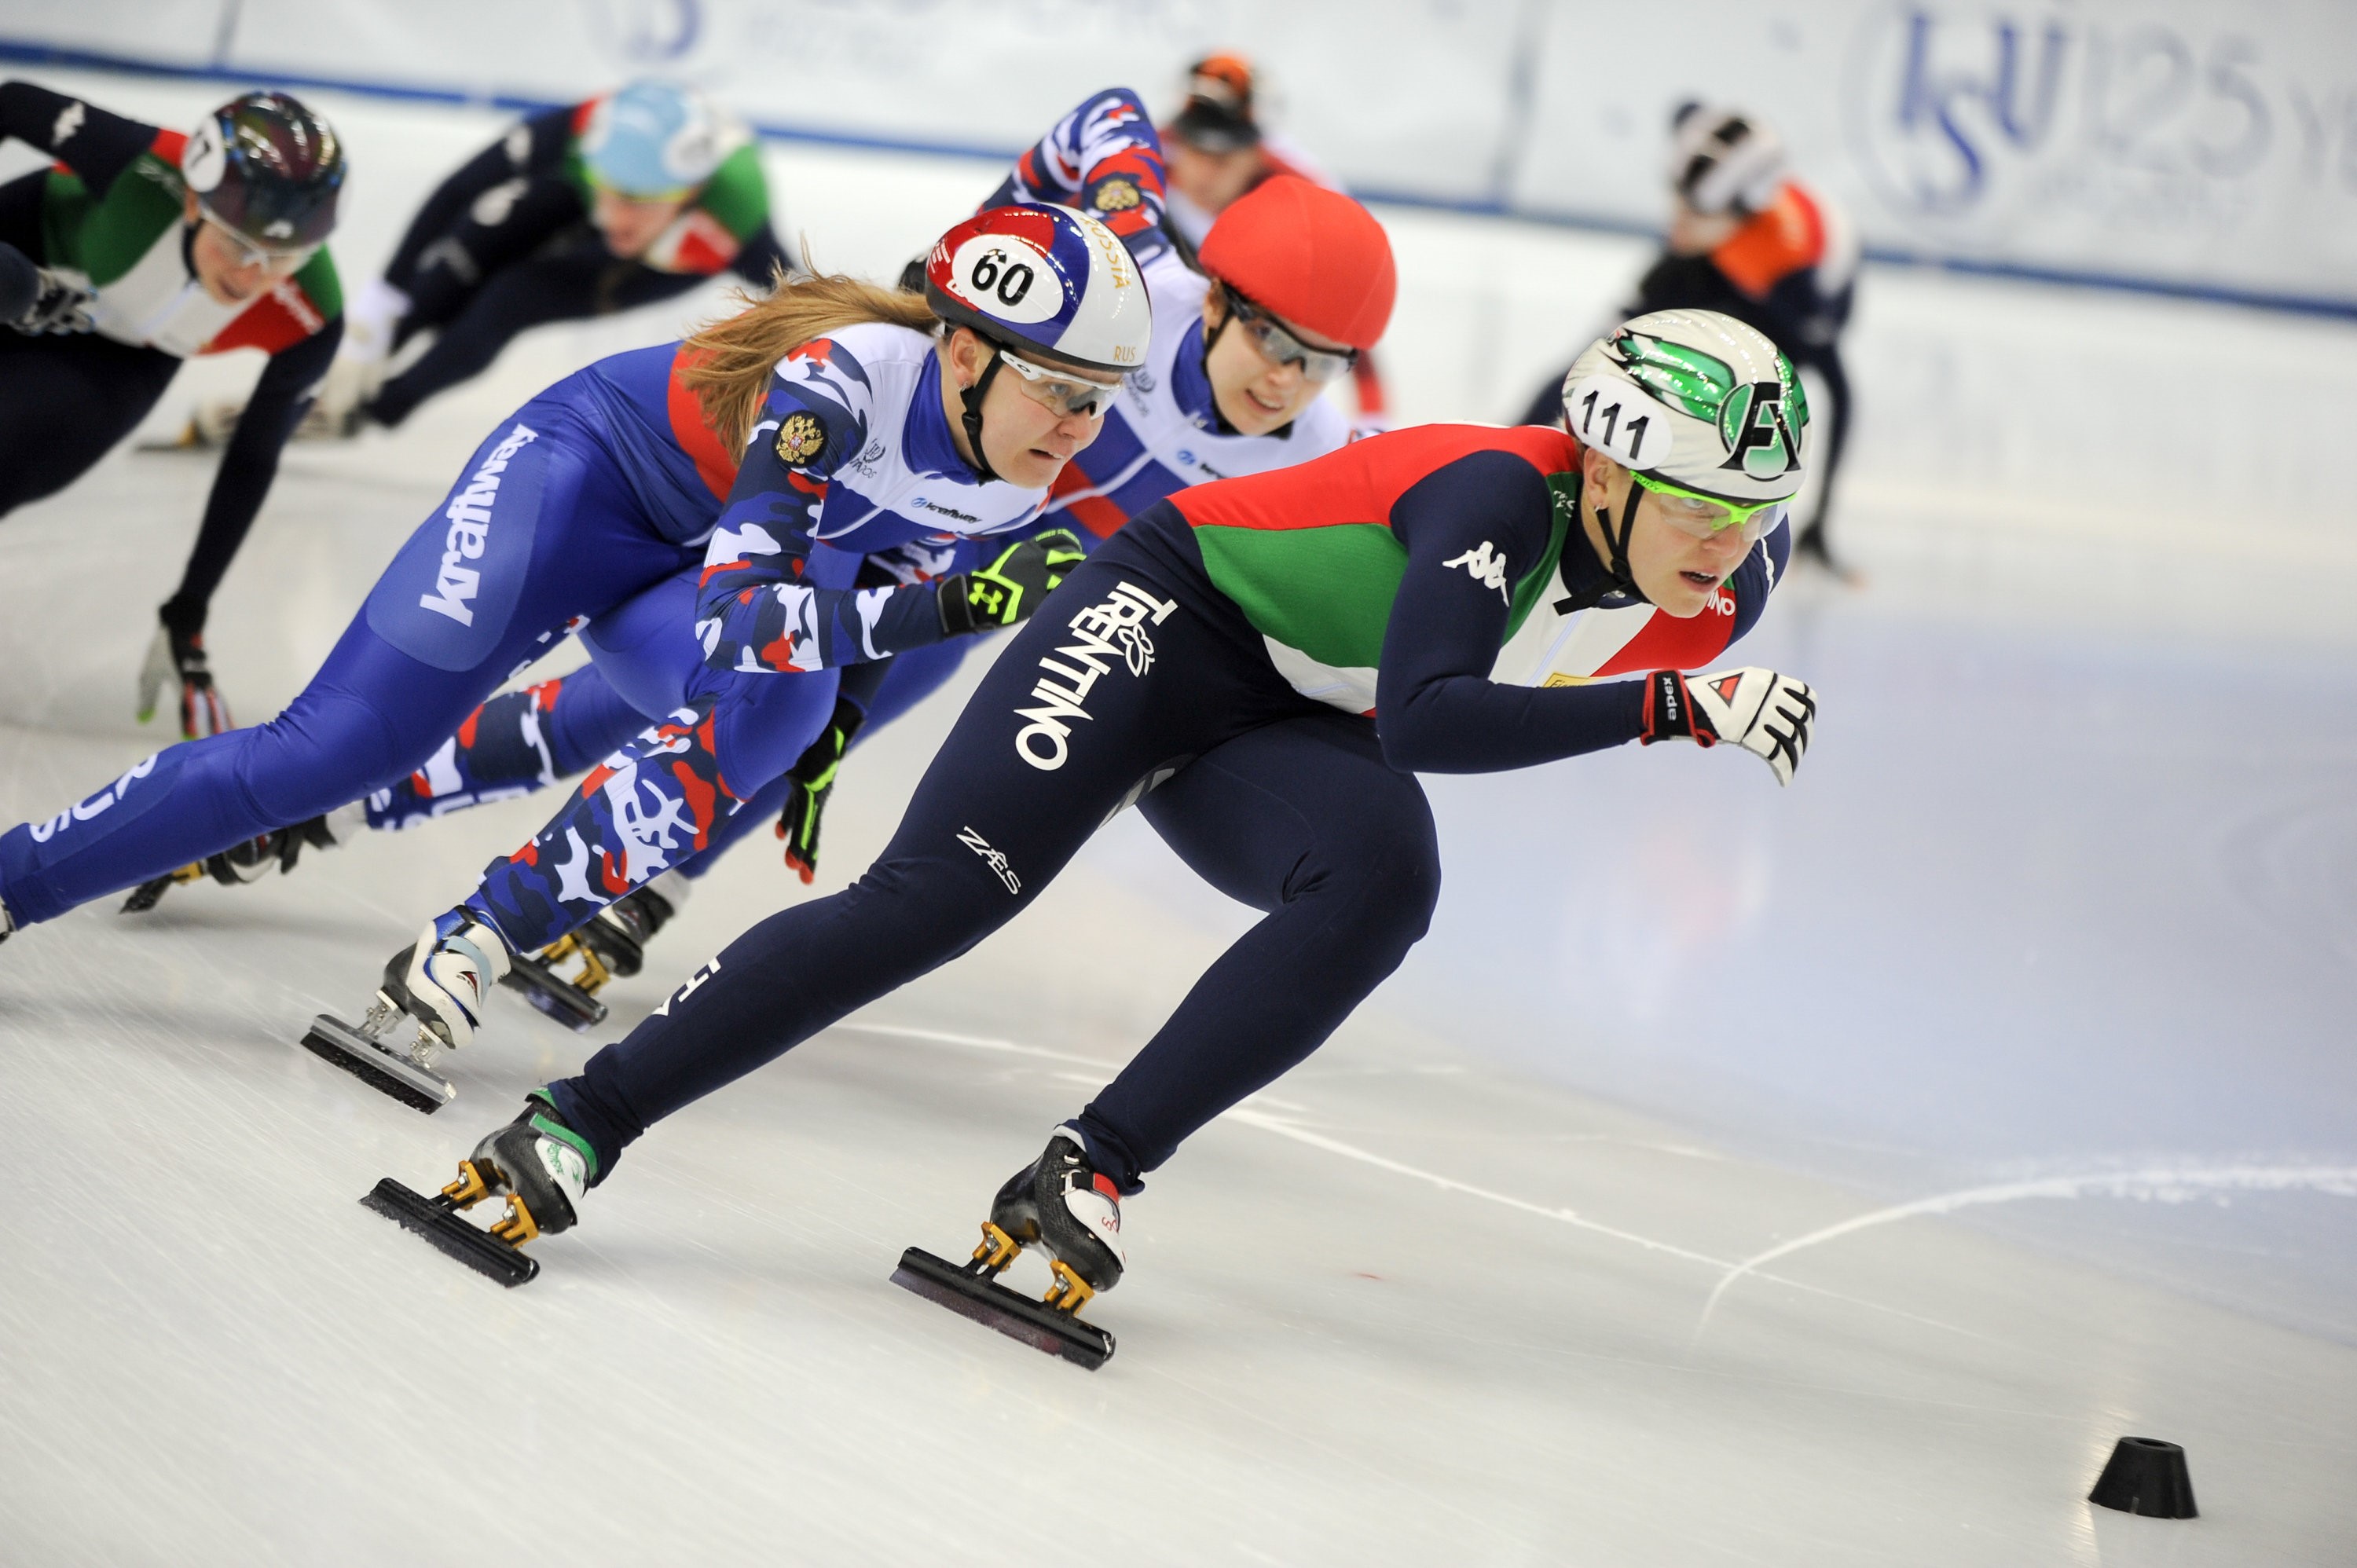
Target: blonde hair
(727, 364)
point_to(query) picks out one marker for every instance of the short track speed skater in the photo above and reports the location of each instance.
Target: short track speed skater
(1065, 1207)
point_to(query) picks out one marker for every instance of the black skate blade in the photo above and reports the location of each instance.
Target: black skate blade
(1034, 1323)
(146, 895)
(561, 1000)
(337, 1043)
(436, 1219)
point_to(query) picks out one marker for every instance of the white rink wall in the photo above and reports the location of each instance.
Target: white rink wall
(2107, 459)
(2154, 139)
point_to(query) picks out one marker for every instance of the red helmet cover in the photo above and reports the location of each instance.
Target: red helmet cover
(1312, 255)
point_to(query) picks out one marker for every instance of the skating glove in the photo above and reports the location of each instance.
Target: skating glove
(1009, 589)
(62, 307)
(808, 784)
(1766, 714)
(177, 656)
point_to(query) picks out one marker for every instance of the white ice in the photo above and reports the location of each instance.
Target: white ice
(1735, 1176)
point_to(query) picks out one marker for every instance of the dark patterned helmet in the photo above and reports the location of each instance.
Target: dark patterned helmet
(267, 168)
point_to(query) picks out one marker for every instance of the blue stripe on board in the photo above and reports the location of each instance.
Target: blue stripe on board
(81, 59)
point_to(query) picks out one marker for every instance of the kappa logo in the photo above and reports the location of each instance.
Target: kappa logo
(1488, 565)
(469, 512)
(70, 119)
(1116, 629)
(990, 857)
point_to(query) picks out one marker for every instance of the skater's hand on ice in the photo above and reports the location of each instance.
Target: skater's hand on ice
(172, 658)
(1009, 589)
(1768, 714)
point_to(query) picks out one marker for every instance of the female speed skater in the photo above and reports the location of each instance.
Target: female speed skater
(139, 248)
(1262, 664)
(1750, 241)
(607, 485)
(1220, 152)
(632, 198)
(1299, 277)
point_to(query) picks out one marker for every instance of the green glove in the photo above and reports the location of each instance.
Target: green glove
(808, 783)
(1009, 589)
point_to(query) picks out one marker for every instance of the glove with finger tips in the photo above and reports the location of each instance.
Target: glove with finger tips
(1768, 714)
(808, 784)
(1009, 589)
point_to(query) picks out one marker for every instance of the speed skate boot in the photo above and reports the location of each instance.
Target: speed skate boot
(433, 992)
(612, 945)
(1069, 1210)
(538, 1163)
(253, 860)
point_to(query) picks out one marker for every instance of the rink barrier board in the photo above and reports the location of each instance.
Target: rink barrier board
(18, 52)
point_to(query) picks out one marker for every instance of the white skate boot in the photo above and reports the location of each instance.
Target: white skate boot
(438, 987)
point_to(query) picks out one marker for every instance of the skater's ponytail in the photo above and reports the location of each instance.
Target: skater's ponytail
(727, 364)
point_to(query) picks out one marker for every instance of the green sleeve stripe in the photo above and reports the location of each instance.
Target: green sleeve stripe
(106, 238)
(320, 283)
(1326, 591)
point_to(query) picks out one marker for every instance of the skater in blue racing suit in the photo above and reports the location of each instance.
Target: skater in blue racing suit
(604, 487)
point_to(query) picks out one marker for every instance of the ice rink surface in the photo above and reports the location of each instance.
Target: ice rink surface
(1824, 1176)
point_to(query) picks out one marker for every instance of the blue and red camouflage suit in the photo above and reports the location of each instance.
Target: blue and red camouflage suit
(851, 463)
(1163, 434)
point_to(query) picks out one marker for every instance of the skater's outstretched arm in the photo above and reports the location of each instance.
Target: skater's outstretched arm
(1471, 529)
(493, 208)
(1105, 158)
(97, 145)
(290, 381)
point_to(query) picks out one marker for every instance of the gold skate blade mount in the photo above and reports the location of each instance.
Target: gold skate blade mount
(364, 1053)
(971, 1290)
(494, 1253)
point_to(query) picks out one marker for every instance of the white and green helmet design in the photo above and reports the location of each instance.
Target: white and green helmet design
(1697, 399)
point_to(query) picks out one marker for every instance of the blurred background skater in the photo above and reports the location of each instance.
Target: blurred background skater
(1748, 239)
(1219, 152)
(628, 199)
(138, 248)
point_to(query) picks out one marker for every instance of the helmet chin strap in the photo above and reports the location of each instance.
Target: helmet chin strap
(971, 397)
(1219, 416)
(1616, 541)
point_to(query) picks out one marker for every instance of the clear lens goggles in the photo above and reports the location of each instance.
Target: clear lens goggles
(1272, 338)
(1699, 516)
(284, 261)
(1065, 394)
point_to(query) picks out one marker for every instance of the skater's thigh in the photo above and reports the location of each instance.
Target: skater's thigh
(1301, 806)
(761, 723)
(368, 717)
(1063, 727)
(64, 404)
(540, 531)
(646, 646)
